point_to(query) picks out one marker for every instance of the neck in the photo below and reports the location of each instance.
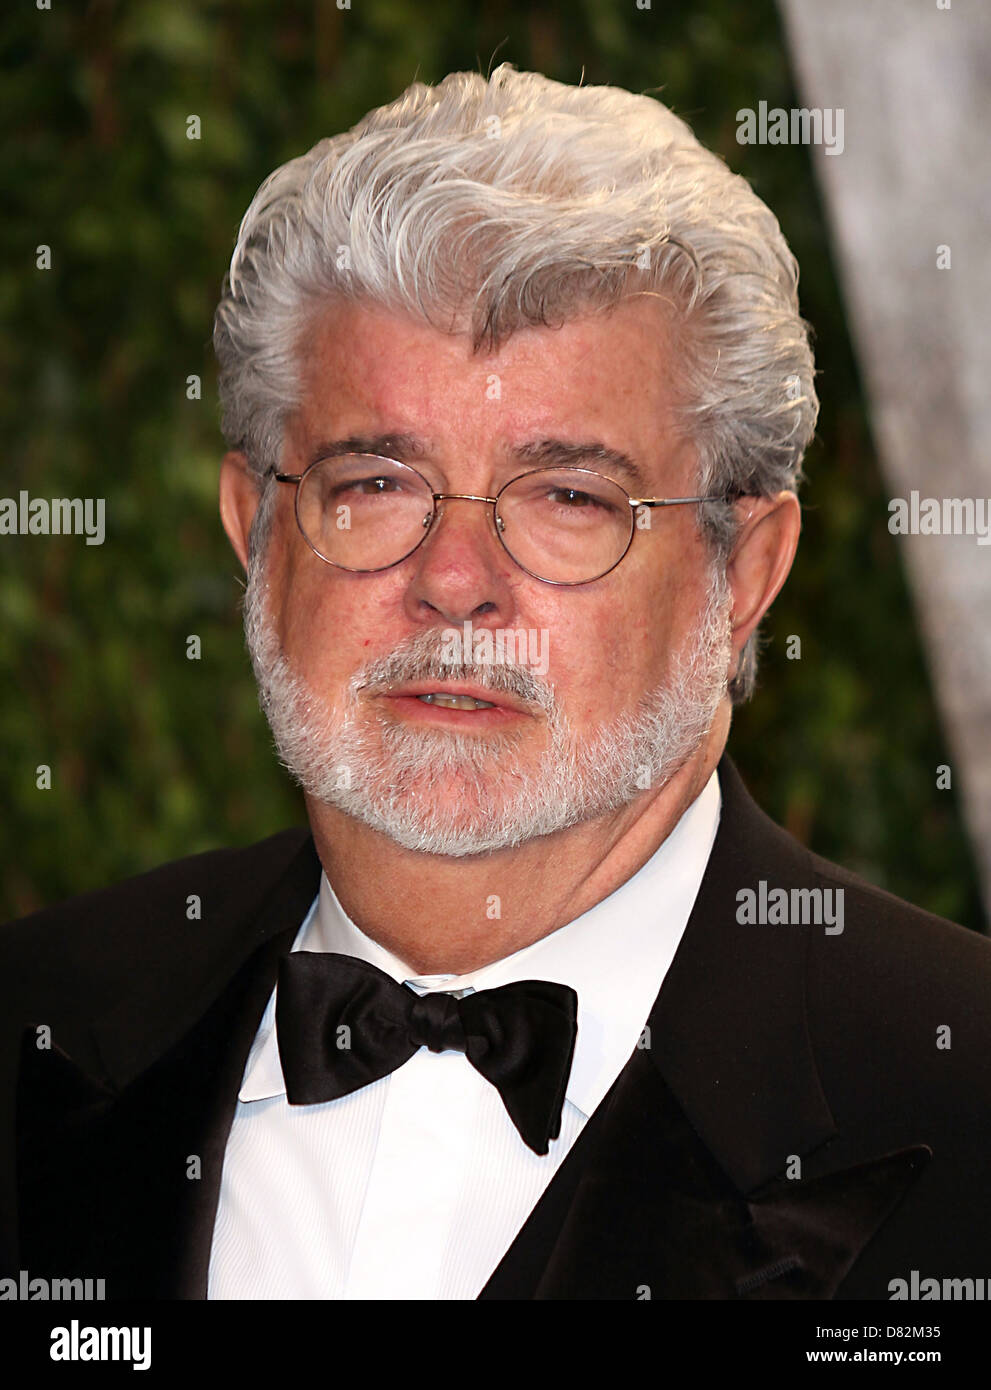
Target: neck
(442, 915)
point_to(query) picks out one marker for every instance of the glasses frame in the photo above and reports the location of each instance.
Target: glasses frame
(428, 521)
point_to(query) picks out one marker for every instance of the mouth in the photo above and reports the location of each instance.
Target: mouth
(452, 701)
(439, 697)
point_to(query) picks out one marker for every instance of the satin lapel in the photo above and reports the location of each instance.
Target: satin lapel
(725, 1095)
(640, 1210)
(674, 1189)
(119, 1176)
(729, 1031)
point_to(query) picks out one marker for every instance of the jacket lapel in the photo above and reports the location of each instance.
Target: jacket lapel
(677, 1186)
(119, 1174)
(640, 1209)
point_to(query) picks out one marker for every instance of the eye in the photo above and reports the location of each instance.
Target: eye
(572, 497)
(578, 500)
(370, 487)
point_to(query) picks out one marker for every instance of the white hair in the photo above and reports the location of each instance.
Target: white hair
(486, 205)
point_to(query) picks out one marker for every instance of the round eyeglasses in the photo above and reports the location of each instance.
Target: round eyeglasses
(365, 513)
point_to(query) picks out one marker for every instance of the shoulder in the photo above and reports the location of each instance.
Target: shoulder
(864, 944)
(896, 959)
(898, 1011)
(96, 939)
(897, 999)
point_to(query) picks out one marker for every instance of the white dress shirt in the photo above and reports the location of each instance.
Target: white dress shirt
(415, 1186)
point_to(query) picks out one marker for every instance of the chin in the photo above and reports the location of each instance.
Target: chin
(424, 827)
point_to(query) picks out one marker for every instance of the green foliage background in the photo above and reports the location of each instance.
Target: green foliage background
(154, 756)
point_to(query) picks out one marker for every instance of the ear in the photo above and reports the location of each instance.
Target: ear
(239, 498)
(761, 560)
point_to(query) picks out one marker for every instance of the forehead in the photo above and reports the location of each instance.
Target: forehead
(601, 378)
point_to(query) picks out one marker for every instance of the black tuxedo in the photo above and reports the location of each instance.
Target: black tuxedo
(792, 1131)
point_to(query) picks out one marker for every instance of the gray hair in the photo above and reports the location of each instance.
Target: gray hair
(487, 205)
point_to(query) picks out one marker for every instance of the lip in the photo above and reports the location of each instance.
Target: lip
(474, 692)
(404, 699)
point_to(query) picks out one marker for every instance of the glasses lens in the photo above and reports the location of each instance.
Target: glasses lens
(363, 512)
(566, 525)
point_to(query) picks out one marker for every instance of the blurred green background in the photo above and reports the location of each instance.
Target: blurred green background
(154, 756)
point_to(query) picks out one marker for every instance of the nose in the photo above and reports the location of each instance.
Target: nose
(461, 570)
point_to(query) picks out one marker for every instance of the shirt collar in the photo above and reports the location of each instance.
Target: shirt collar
(614, 956)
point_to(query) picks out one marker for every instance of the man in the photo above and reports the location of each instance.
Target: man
(542, 1005)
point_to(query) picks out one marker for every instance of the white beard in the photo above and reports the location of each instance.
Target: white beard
(452, 793)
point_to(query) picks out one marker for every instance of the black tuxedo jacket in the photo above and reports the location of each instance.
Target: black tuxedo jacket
(802, 1124)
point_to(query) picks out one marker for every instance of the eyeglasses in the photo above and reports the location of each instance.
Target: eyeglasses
(365, 513)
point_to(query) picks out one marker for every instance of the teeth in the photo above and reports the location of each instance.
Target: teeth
(455, 701)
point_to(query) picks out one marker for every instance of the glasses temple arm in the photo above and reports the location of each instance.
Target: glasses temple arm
(680, 501)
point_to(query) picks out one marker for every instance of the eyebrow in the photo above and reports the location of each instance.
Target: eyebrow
(397, 446)
(561, 453)
(542, 453)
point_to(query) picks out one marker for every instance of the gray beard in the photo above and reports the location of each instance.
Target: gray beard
(388, 775)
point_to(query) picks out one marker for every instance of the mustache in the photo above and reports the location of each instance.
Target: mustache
(420, 658)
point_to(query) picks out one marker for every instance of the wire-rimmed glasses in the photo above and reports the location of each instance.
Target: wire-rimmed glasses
(365, 513)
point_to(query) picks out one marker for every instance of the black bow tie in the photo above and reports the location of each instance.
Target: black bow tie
(343, 1023)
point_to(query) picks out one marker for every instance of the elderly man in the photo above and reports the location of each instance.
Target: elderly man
(541, 1006)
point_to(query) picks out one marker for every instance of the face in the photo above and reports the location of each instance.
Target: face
(619, 679)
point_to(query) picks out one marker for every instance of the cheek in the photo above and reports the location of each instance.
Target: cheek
(612, 655)
(333, 623)
(602, 657)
